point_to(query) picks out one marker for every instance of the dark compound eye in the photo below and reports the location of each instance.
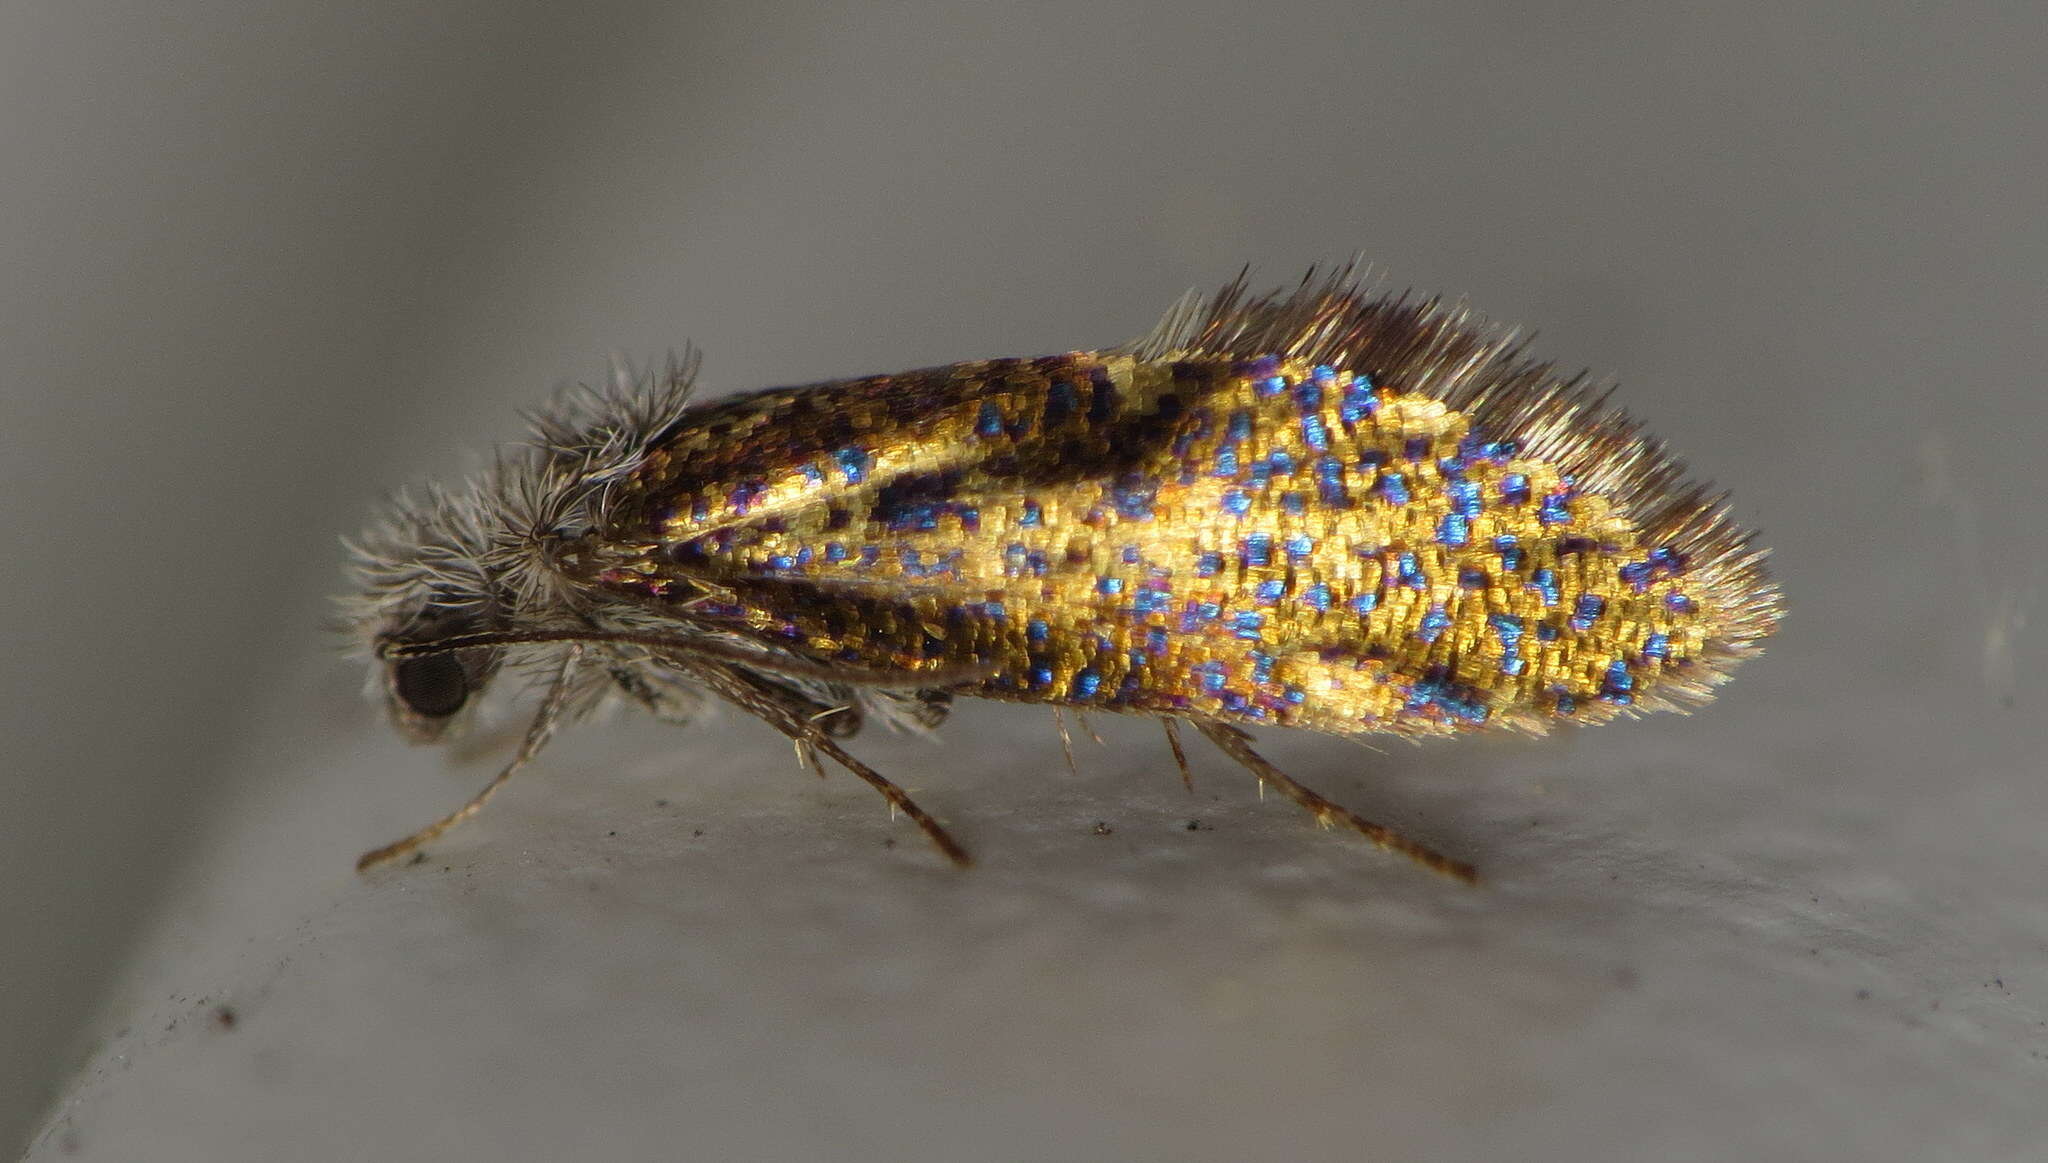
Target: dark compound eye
(433, 685)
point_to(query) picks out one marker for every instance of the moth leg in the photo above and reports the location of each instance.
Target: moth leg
(662, 695)
(1059, 716)
(537, 735)
(839, 720)
(807, 758)
(771, 703)
(1237, 745)
(926, 708)
(1088, 728)
(678, 697)
(899, 800)
(1180, 757)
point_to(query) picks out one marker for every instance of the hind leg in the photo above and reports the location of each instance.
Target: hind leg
(1237, 745)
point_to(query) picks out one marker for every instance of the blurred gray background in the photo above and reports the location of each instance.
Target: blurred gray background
(262, 262)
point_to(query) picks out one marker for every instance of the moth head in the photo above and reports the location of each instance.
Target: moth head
(429, 693)
(426, 574)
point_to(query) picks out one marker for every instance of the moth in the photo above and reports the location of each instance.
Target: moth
(1312, 508)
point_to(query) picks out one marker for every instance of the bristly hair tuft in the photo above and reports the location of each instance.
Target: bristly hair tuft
(480, 545)
(603, 429)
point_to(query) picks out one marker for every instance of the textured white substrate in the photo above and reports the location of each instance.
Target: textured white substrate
(1738, 935)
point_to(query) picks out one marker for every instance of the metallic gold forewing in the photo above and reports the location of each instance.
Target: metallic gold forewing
(1256, 540)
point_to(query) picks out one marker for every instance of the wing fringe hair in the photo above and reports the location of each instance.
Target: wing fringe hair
(1447, 352)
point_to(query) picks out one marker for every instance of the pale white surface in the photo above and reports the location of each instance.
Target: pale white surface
(1714, 938)
(1807, 924)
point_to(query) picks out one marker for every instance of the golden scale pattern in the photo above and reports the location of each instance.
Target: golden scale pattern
(1207, 545)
